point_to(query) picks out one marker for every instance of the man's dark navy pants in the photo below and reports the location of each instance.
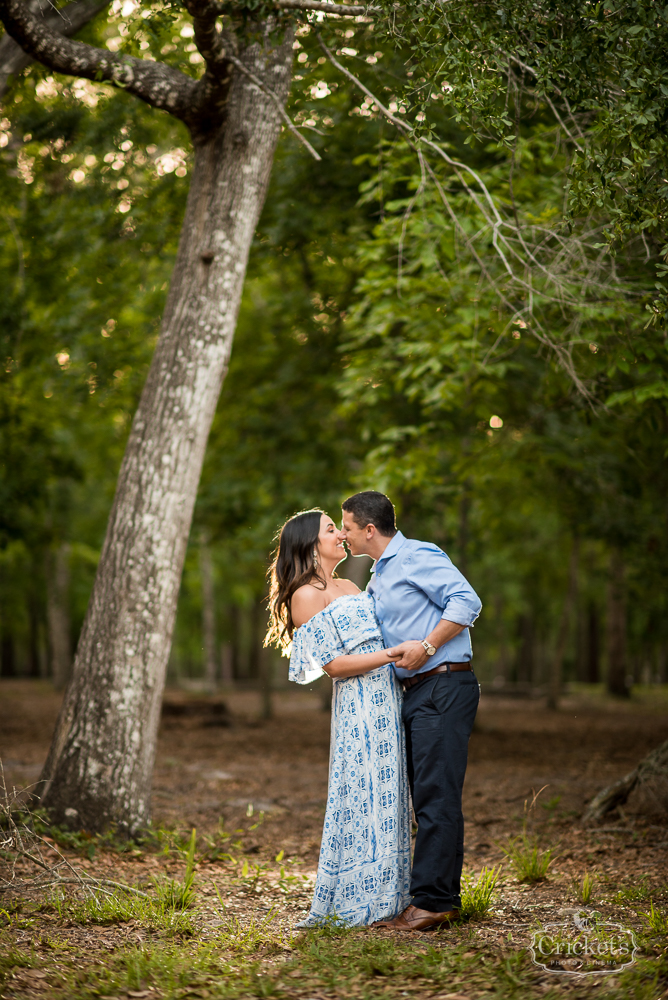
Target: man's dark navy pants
(438, 715)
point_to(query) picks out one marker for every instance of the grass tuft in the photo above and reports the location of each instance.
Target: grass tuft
(175, 895)
(478, 894)
(528, 861)
(657, 921)
(584, 889)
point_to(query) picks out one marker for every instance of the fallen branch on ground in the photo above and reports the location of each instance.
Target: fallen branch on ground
(655, 764)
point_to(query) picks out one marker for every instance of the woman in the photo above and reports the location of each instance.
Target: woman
(328, 625)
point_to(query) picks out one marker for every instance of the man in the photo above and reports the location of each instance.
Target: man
(425, 608)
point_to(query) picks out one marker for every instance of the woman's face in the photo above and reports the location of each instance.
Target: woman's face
(330, 541)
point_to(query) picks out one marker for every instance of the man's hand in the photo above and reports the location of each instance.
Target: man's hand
(410, 655)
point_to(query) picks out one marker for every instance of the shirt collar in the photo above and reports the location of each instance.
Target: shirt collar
(392, 549)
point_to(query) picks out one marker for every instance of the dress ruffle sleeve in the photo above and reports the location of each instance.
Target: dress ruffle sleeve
(314, 645)
(342, 627)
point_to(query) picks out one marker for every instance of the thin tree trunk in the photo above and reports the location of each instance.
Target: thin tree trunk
(557, 664)
(266, 683)
(593, 645)
(58, 614)
(227, 664)
(525, 655)
(208, 614)
(7, 658)
(34, 665)
(100, 765)
(616, 627)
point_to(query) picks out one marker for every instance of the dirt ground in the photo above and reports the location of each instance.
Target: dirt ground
(214, 769)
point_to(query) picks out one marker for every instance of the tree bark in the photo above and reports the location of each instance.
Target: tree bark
(58, 614)
(100, 765)
(208, 614)
(616, 627)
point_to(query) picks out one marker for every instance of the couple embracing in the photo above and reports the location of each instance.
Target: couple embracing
(405, 698)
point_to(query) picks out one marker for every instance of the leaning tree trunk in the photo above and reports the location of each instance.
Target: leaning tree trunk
(616, 627)
(100, 765)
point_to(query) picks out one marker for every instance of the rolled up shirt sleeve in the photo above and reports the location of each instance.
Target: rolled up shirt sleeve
(429, 569)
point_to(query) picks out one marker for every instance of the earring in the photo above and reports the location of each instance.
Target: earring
(315, 557)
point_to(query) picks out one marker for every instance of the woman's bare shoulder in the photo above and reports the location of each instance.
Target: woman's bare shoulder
(306, 602)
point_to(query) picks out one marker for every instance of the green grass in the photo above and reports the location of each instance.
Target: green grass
(527, 859)
(175, 895)
(478, 894)
(255, 935)
(639, 893)
(108, 908)
(584, 889)
(258, 958)
(657, 921)
(13, 958)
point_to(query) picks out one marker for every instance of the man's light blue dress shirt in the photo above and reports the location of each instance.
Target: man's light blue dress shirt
(414, 585)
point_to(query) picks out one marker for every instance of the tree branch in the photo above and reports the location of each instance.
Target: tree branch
(155, 83)
(343, 10)
(209, 41)
(67, 21)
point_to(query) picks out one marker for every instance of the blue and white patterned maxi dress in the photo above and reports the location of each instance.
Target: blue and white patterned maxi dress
(365, 860)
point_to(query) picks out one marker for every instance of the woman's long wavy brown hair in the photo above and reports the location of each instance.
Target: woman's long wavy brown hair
(293, 567)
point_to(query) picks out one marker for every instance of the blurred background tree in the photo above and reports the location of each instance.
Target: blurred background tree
(381, 344)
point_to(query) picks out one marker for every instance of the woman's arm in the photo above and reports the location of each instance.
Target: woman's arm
(357, 663)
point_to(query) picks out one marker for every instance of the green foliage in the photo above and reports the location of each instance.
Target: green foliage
(378, 334)
(599, 68)
(478, 893)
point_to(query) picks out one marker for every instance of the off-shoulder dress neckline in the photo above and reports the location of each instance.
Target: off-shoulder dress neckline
(326, 608)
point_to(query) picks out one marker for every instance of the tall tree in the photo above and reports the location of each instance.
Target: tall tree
(101, 760)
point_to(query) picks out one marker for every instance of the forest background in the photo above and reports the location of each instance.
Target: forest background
(518, 423)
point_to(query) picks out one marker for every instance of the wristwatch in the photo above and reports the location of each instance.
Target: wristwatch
(429, 649)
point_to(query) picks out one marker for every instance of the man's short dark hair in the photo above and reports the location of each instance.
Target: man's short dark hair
(371, 507)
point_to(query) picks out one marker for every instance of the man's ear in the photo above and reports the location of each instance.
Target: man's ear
(370, 531)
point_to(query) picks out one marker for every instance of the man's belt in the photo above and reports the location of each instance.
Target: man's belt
(442, 668)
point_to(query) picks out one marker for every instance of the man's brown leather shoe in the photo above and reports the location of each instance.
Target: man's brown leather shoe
(413, 919)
